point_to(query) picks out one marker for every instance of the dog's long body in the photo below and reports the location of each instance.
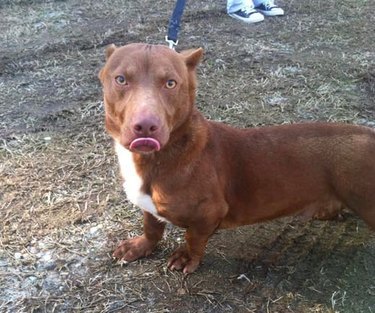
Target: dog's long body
(201, 175)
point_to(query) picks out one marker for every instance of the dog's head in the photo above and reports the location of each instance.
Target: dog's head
(149, 92)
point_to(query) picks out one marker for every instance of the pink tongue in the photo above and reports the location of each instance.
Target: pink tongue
(146, 144)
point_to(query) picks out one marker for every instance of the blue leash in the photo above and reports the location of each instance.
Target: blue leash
(174, 24)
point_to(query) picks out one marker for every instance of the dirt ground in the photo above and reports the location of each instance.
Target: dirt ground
(62, 207)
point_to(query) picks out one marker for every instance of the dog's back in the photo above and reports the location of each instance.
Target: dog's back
(312, 168)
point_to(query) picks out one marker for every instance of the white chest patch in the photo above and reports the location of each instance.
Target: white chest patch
(133, 182)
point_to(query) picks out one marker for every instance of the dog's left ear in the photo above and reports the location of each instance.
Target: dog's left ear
(192, 57)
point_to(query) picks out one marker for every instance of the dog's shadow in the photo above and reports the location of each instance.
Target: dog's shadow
(314, 259)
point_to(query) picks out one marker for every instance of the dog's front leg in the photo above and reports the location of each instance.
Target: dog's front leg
(188, 256)
(142, 246)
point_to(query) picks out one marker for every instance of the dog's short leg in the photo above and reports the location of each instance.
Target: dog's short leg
(188, 256)
(142, 246)
(365, 208)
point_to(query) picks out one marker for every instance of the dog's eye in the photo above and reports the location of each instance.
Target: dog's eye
(170, 84)
(120, 79)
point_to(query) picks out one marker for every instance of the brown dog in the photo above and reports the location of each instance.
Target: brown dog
(180, 168)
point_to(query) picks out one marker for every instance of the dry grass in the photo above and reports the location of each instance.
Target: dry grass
(62, 207)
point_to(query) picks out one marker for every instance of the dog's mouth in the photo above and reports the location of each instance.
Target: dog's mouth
(144, 145)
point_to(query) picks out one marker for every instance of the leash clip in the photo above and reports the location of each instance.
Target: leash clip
(172, 44)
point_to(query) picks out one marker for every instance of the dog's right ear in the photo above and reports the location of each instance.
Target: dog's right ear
(101, 75)
(110, 49)
(108, 52)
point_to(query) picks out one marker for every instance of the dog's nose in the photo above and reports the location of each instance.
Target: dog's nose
(145, 127)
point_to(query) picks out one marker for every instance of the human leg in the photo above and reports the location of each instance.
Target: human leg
(268, 8)
(243, 10)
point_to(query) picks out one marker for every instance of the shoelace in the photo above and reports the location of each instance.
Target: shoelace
(269, 3)
(248, 10)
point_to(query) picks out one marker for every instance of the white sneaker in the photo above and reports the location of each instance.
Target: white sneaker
(269, 8)
(247, 15)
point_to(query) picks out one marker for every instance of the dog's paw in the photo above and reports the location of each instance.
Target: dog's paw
(181, 260)
(133, 249)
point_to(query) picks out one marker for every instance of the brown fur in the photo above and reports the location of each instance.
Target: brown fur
(208, 175)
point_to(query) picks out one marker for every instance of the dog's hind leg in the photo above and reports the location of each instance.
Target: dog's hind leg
(360, 197)
(355, 177)
(365, 208)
